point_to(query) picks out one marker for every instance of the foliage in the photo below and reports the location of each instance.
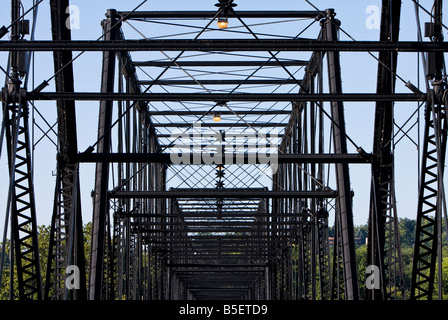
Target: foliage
(44, 242)
(407, 235)
(406, 231)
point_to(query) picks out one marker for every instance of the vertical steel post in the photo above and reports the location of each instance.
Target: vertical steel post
(100, 206)
(337, 281)
(344, 200)
(382, 247)
(67, 228)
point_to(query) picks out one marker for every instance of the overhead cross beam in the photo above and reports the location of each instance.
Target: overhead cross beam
(220, 63)
(213, 193)
(220, 82)
(210, 14)
(226, 159)
(222, 112)
(224, 45)
(253, 97)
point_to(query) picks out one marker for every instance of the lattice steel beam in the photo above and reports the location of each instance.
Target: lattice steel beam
(21, 196)
(22, 202)
(427, 246)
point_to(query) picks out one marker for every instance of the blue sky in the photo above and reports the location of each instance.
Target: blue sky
(358, 71)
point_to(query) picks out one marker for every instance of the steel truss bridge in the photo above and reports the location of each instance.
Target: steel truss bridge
(212, 158)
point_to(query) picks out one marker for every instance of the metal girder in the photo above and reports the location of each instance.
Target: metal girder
(209, 206)
(226, 159)
(247, 237)
(213, 193)
(232, 134)
(223, 241)
(218, 248)
(222, 112)
(221, 124)
(230, 230)
(277, 228)
(208, 253)
(237, 214)
(219, 255)
(211, 265)
(222, 257)
(221, 82)
(219, 63)
(226, 82)
(217, 270)
(217, 277)
(194, 225)
(210, 14)
(254, 97)
(224, 45)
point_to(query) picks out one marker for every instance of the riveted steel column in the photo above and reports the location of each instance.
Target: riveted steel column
(344, 200)
(100, 206)
(383, 243)
(66, 233)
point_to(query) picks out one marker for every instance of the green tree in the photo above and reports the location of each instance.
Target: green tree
(361, 260)
(44, 242)
(407, 232)
(361, 232)
(444, 278)
(6, 277)
(407, 253)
